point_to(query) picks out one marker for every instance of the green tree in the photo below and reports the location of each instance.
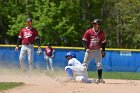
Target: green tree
(16, 15)
(3, 20)
(58, 22)
(123, 19)
(63, 22)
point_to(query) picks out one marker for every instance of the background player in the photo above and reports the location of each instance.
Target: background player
(93, 40)
(28, 35)
(75, 67)
(49, 54)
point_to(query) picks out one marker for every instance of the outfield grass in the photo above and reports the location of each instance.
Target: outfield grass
(9, 85)
(116, 75)
(106, 75)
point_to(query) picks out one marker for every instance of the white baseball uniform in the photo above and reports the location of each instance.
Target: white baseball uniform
(78, 69)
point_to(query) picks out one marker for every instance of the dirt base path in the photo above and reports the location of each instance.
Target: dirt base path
(48, 83)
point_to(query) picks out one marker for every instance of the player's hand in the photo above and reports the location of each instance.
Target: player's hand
(39, 51)
(103, 54)
(16, 49)
(87, 50)
(52, 56)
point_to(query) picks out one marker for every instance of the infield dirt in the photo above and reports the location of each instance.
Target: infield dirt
(53, 82)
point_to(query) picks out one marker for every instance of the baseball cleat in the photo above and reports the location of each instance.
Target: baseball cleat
(23, 70)
(100, 81)
(97, 81)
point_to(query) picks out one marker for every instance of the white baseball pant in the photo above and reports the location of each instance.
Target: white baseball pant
(26, 50)
(96, 54)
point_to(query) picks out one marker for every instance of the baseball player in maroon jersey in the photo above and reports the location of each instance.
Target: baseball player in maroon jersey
(49, 54)
(93, 40)
(28, 35)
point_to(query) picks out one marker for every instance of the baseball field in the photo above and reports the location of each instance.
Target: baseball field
(41, 81)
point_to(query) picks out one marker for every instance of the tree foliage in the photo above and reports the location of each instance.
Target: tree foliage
(63, 22)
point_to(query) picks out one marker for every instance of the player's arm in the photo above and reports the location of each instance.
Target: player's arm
(19, 38)
(103, 49)
(38, 41)
(84, 40)
(18, 41)
(39, 51)
(103, 46)
(71, 63)
(85, 44)
(53, 53)
(103, 42)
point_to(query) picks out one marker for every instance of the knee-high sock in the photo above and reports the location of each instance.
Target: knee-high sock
(99, 73)
(70, 73)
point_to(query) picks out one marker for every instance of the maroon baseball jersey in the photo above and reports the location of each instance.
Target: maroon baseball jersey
(94, 39)
(49, 50)
(28, 36)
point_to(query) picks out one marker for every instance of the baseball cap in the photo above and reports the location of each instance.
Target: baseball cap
(29, 20)
(96, 21)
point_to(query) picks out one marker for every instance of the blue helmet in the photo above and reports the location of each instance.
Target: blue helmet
(72, 54)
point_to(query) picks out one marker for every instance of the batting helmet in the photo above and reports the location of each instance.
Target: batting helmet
(98, 21)
(72, 54)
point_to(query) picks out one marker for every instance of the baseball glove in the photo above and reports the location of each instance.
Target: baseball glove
(39, 51)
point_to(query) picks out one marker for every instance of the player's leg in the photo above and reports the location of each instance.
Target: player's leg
(82, 72)
(98, 61)
(51, 64)
(82, 75)
(30, 52)
(85, 74)
(83, 79)
(88, 57)
(47, 62)
(22, 56)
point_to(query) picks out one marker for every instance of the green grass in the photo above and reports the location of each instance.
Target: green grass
(106, 75)
(9, 85)
(116, 75)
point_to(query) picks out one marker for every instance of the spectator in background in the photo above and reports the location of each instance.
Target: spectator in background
(49, 54)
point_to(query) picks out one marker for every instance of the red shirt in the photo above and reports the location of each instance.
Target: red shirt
(94, 39)
(28, 36)
(49, 50)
